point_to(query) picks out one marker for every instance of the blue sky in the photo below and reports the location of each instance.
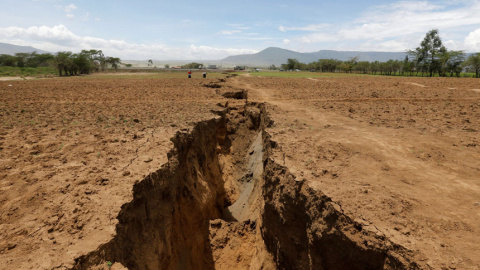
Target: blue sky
(190, 30)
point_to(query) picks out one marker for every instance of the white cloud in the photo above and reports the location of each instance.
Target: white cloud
(48, 1)
(397, 26)
(229, 32)
(472, 41)
(60, 38)
(286, 41)
(396, 45)
(319, 37)
(251, 38)
(70, 8)
(308, 28)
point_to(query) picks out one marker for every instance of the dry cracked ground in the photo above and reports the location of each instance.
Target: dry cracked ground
(240, 172)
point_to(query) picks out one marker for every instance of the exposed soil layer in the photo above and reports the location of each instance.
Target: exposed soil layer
(72, 148)
(355, 173)
(399, 158)
(180, 219)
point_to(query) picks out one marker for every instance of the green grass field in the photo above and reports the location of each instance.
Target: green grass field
(302, 74)
(196, 74)
(26, 71)
(308, 74)
(157, 75)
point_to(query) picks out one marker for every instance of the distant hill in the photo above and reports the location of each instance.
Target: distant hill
(11, 49)
(278, 56)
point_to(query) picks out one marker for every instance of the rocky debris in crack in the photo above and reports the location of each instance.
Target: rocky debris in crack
(304, 229)
(212, 85)
(240, 94)
(181, 216)
(167, 224)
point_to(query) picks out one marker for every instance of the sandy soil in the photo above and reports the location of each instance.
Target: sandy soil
(399, 155)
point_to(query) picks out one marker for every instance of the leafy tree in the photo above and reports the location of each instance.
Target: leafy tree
(82, 63)
(429, 53)
(62, 63)
(167, 66)
(291, 64)
(21, 59)
(375, 67)
(473, 63)
(345, 67)
(451, 62)
(39, 60)
(328, 65)
(193, 65)
(7, 60)
(363, 66)
(113, 61)
(407, 66)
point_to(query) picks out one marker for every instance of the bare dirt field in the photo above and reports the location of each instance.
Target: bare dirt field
(240, 172)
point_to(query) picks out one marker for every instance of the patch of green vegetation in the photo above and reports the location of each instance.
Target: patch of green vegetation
(161, 74)
(26, 71)
(303, 74)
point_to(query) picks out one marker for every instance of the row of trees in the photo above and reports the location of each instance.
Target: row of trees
(391, 67)
(192, 65)
(32, 60)
(67, 63)
(84, 62)
(429, 59)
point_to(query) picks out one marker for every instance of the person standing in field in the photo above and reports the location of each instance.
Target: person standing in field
(189, 74)
(204, 74)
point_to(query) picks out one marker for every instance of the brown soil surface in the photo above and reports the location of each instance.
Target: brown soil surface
(71, 150)
(400, 156)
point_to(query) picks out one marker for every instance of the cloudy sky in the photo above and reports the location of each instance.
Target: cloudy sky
(214, 29)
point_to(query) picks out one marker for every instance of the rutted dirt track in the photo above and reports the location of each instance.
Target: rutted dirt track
(334, 173)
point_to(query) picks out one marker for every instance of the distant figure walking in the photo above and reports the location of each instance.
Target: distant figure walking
(189, 74)
(204, 74)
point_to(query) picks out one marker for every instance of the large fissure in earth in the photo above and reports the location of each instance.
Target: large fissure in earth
(222, 202)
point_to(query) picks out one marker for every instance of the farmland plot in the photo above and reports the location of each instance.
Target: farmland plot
(333, 173)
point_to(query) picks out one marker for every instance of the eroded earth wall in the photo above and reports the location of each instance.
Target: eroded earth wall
(179, 216)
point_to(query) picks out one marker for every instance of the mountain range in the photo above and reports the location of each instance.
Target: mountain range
(267, 57)
(11, 49)
(278, 56)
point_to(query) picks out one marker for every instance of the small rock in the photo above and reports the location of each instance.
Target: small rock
(11, 246)
(102, 181)
(217, 223)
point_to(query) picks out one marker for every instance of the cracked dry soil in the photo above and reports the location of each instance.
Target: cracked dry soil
(222, 202)
(232, 192)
